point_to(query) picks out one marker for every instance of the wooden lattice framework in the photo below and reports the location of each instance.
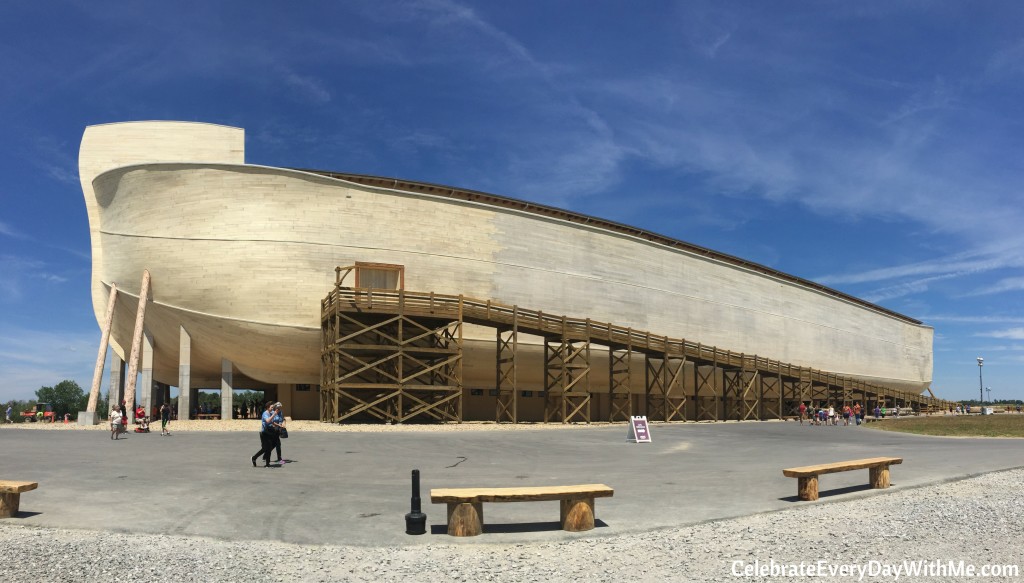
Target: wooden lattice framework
(507, 403)
(666, 399)
(566, 378)
(620, 397)
(706, 393)
(390, 368)
(772, 397)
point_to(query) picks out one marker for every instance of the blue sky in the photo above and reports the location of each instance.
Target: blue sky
(874, 147)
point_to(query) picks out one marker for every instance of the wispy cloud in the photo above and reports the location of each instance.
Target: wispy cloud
(1009, 333)
(958, 319)
(1004, 285)
(56, 160)
(9, 231)
(983, 259)
(708, 29)
(18, 270)
(906, 288)
(309, 87)
(30, 359)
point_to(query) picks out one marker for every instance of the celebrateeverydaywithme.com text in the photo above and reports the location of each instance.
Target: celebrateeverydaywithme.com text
(873, 569)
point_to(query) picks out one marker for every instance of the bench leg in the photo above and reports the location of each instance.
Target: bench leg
(879, 476)
(465, 518)
(9, 504)
(577, 514)
(807, 488)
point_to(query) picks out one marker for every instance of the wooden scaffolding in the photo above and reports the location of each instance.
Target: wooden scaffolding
(390, 368)
(397, 356)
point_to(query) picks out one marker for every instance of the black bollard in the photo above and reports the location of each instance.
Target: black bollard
(416, 521)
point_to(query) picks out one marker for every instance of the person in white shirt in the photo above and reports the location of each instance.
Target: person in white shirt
(116, 422)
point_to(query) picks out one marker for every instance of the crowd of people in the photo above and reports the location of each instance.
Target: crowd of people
(119, 419)
(822, 415)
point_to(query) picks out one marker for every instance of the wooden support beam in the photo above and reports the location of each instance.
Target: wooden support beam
(663, 378)
(620, 395)
(133, 360)
(566, 378)
(101, 356)
(506, 365)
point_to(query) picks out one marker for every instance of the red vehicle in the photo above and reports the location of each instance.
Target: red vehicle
(41, 412)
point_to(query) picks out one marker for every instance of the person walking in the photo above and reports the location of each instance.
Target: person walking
(116, 422)
(803, 412)
(266, 436)
(279, 428)
(165, 418)
(11, 408)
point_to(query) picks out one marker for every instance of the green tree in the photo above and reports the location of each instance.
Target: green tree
(102, 404)
(65, 397)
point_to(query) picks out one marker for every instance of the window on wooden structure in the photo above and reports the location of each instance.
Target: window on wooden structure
(380, 276)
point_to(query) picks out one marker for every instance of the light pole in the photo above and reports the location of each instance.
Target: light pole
(981, 390)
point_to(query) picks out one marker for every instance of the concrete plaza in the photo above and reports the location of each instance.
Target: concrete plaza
(354, 487)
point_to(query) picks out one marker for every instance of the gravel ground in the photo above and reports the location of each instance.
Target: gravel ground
(975, 520)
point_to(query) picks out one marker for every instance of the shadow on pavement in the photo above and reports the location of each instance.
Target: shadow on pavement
(833, 492)
(515, 527)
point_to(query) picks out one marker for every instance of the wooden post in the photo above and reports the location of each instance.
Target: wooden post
(101, 357)
(577, 514)
(878, 476)
(465, 518)
(9, 504)
(133, 360)
(807, 487)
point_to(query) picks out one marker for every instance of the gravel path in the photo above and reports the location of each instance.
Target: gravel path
(977, 521)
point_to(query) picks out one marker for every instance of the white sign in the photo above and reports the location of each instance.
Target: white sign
(638, 429)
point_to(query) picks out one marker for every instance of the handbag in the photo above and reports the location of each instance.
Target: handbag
(284, 433)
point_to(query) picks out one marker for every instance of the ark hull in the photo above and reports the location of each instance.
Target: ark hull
(241, 255)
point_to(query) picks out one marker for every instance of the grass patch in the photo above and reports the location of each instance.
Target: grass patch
(1005, 425)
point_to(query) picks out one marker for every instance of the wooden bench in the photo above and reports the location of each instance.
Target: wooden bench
(208, 416)
(10, 496)
(807, 476)
(466, 514)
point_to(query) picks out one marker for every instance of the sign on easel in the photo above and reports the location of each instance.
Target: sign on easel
(638, 429)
